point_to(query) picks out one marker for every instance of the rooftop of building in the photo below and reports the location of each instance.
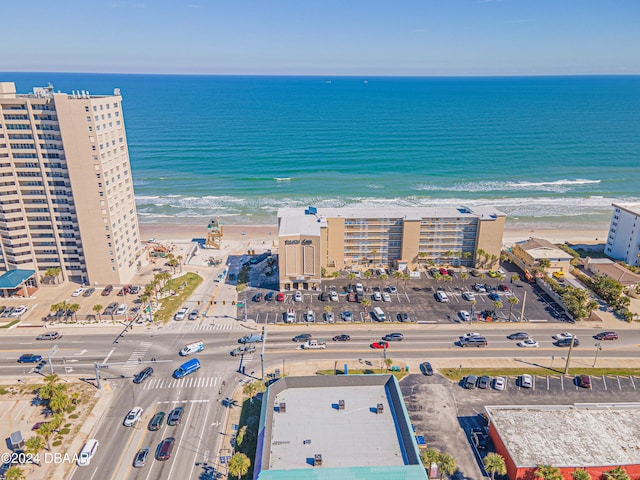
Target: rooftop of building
(633, 208)
(299, 224)
(613, 270)
(356, 438)
(584, 435)
(15, 278)
(8, 90)
(404, 213)
(541, 248)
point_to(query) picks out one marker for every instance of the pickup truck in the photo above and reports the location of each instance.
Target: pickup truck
(313, 344)
(253, 338)
(244, 350)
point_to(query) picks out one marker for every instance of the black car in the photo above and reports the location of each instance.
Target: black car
(303, 337)
(324, 297)
(403, 317)
(156, 421)
(268, 297)
(518, 336)
(426, 368)
(175, 416)
(341, 338)
(88, 292)
(257, 297)
(484, 382)
(140, 377)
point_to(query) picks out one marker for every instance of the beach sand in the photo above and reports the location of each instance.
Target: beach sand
(261, 237)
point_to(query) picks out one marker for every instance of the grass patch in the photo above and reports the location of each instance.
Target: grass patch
(171, 304)
(250, 416)
(57, 443)
(65, 431)
(367, 371)
(74, 416)
(456, 374)
(11, 324)
(243, 279)
(3, 391)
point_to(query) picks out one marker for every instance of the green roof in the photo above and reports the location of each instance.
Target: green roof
(401, 472)
(14, 278)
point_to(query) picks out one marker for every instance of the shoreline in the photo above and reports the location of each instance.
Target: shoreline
(257, 236)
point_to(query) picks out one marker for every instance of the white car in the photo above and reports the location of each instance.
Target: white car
(526, 380)
(77, 292)
(470, 335)
(529, 342)
(328, 317)
(499, 383)
(464, 315)
(122, 309)
(386, 297)
(181, 314)
(442, 297)
(393, 289)
(377, 296)
(359, 288)
(132, 417)
(298, 296)
(310, 316)
(469, 296)
(563, 336)
(19, 311)
(334, 296)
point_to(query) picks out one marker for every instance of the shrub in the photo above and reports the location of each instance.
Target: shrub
(57, 443)
(73, 416)
(65, 431)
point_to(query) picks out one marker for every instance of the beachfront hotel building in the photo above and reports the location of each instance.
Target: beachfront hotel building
(353, 238)
(623, 242)
(66, 193)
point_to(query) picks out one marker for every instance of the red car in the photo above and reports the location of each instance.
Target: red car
(280, 297)
(607, 336)
(380, 344)
(444, 271)
(503, 287)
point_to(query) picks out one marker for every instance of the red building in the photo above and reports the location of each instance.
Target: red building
(594, 437)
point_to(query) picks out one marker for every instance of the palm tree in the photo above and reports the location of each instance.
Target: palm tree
(515, 277)
(384, 277)
(617, 473)
(591, 306)
(56, 421)
(544, 263)
(179, 259)
(388, 362)
(73, 308)
(98, 309)
(398, 275)
(405, 277)
(14, 473)
(446, 465)
(499, 277)
(463, 277)
(374, 252)
(45, 430)
(494, 259)
(33, 446)
(494, 463)
(513, 300)
(335, 274)
(580, 474)
(429, 456)
(351, 276)
(250, 389)
(367, 275)
(497, 304)
(479, 253)
(366, 303)
(239, 465)
(547, 472)
(59, 402)
(241, 434)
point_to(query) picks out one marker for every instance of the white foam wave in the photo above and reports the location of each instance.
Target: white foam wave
(555, 186)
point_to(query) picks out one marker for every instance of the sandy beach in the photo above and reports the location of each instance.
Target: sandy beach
(266, 236)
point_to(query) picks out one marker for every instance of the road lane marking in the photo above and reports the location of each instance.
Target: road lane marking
(106, 359)
(184, 430)
(204, 424)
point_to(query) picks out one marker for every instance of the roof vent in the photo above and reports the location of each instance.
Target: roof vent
(317, 460)
(380, 408)
(282, 408)
(340, 404)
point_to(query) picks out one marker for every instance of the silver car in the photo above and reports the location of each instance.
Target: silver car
(141, 457)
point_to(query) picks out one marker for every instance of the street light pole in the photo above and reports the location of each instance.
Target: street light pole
(566, 366)
(598, 348)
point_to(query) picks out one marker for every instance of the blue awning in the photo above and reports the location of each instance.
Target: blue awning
(14, 278)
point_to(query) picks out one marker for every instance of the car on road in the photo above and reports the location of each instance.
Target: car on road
(562, 336)
(393, 289)
(156, 421)
(190, 348)
(88, 292)
(518, 336)
(141, 457)
(303, 337)
(469, 335)
(528, 343)
(346, 316)
(342, 338)
(526, 380)
(464, 315)
(484, 382)
(268, 297)
(243, 350)
(566, 342)
(583, 381)
(380, 344)
(606, 336)
(132, 417)
(403, 317)
(22, 309)
(297, 297)
(165, 448)
(468, 296)
(494, 296)
(257, 297)
(107, 290)
(140, 377)
(175, 416)
(280, 297)
(181, 314)
(48, 336)
(77, 292)
(393, 337)
(29, 358)
(193, 315)
(470, 382)
(426, 369)
(499, 383)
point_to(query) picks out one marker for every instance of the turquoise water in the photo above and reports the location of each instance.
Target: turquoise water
(546, 150)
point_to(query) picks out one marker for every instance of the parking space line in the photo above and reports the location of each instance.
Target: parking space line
(633, 384)
(533, 386)
(605, 382)
(619, 384)
(562, 382)
(547, 382)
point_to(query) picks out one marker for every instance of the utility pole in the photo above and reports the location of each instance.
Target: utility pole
(598, 348)
(566, 366)
(524, 300)
(264, 341)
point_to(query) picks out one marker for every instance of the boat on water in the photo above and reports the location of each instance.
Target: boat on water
(282, 179)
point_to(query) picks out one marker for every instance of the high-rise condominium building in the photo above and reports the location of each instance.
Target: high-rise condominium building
(66, 193)
(623, 242)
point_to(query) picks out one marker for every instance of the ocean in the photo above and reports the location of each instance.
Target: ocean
(548, 151)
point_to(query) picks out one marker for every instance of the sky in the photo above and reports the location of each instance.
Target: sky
(323, 37)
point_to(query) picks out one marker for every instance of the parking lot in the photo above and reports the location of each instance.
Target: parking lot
(446, 414)
(415, 297)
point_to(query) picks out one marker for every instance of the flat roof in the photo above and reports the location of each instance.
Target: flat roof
(633, 208)
(299, 224)
(405, 213)
(14, 278)
(356, 438)
(580, 435)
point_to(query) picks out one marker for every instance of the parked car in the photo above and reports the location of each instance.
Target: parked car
(499, 383)
(342, 338)
(257, 297)
(268, 297)
(22, 309)
(132, 417)
(141, 457)
(464, 315)
(111, 308)
(122, 309)
(492, 274)
(334, 296)
(443, 271)
(583, 381)
(48, 336)
(603, 336)
(280, 297)
(468, 296)
(393, 289)
(175, 416)
(297, 297)
(29, 358)
(386, 297)
(403, 317)
(484, 382)
(503, 287)
(346, 316)
(324, 297)
(303, 337)
(140, 377)
(426, 368)
(526, 380)
(107, 290)
(494, 296)
(380, 344)
(88, 292)
(165, 448)
(328, 317)
(470, 382)
(479, 287)
(393, 337)
(310, 316)
(156, 421)
(442, 297)
(77, 292)
(518, 336)
(377, 296)
(528, 343)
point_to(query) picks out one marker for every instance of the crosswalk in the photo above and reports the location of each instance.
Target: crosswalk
(209, 326)
(188, 382)
(139, 352)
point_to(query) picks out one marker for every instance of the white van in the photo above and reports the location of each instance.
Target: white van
(181, 314)
(87, 452)
(192, 348)
(379, 314)
(442, 297)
